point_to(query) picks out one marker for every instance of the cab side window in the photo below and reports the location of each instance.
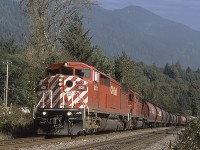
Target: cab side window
(104, 80)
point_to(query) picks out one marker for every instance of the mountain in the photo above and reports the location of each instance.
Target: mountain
(144, 36)
(12, 20)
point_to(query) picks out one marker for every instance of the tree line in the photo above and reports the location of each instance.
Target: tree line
(56, 33)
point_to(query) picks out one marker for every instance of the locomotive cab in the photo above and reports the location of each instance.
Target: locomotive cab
(68, 71)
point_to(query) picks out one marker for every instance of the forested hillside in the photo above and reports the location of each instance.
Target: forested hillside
(12, 21)
(171, 87)
(144, 36)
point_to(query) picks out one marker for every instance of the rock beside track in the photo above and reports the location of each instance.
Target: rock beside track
(164, 144)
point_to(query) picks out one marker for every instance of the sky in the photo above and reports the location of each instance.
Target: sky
(183, 11)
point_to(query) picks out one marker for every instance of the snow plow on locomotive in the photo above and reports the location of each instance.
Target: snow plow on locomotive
(76, 98)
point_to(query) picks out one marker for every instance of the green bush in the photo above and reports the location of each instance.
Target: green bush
(189, 139)
(14, 122)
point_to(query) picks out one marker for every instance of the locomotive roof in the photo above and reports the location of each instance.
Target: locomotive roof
(56, 65)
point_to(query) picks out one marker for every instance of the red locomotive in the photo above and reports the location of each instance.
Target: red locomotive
(76, 98)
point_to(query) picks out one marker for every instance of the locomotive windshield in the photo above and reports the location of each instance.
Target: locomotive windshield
(66, 71)
(83, 73)
(63, 70)
(53, 72)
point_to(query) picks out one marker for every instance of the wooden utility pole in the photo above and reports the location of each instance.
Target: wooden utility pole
(6, 84)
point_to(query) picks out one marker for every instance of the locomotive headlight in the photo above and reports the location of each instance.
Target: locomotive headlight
(69, 113)
(44, 113)
(60, 80)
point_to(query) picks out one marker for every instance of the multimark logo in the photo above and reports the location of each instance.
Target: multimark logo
(113, 90)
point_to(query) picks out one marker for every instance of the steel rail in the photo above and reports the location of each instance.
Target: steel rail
(130, 142)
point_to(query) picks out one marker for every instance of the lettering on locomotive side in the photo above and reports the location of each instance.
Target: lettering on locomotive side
(95, 88)
(113, 90)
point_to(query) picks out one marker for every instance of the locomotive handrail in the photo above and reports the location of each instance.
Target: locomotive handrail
(42, 99)
(84, 106)
(63, 99)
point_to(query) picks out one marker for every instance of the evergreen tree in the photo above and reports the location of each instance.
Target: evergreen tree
(99, 60)
(78, 44)
(75, 40)
(12, 53)
(124, 71)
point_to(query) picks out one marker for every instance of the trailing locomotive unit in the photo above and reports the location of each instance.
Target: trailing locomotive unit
(77, 98)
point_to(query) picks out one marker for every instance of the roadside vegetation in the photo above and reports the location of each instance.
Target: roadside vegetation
(15, 122)
(189, 139)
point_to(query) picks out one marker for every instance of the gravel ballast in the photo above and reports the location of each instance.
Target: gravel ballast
(163, 144)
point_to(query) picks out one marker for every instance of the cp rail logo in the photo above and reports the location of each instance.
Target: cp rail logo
(113, 90)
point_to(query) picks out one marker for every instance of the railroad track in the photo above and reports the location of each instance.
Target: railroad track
(126, 143)
(32, 141)
(135, 142)
(144, 141)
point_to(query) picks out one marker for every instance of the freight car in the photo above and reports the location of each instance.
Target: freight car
(76, 98)
(181, 120)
